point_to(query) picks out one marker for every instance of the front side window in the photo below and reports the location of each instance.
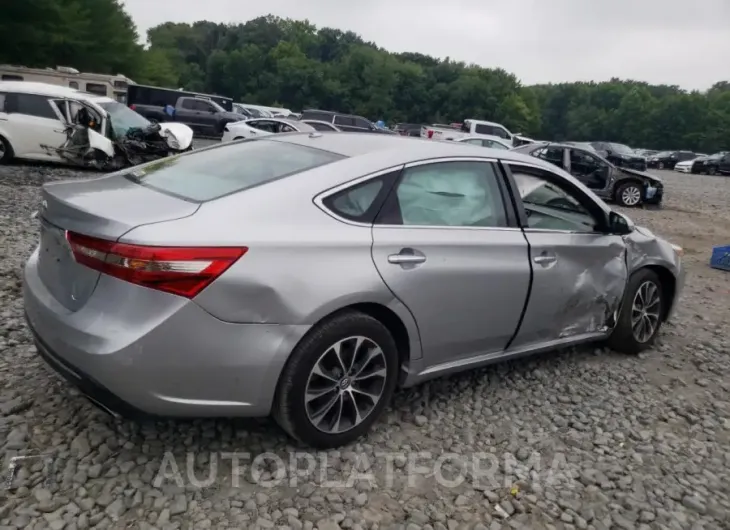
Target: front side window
(345, 120)
(550, 206)
(454, 194)
(12, 77)
(494, 145)
(34, 105)
(263, 125)
(73, 84)
(363, 123)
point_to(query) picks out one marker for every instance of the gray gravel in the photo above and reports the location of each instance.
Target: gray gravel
(577, 439)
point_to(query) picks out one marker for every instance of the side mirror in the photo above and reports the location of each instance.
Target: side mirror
(619, 224)
(609, 152)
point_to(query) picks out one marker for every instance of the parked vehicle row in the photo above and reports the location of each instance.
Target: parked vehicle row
(715, 164)
(432, 234)
(628, 187)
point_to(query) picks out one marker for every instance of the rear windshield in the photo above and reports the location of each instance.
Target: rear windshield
(214, 173)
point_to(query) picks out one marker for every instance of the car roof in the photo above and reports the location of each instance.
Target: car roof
(396, 149)
(47, 89)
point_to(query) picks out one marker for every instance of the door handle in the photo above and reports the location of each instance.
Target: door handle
(545, 259)
(405, 259)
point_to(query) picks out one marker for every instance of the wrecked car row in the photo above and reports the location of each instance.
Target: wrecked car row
(45, 122)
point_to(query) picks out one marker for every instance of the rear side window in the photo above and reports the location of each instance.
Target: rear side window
(345, 120)
(363, 201)
(214, 173)
(2, 102)
(34, 105)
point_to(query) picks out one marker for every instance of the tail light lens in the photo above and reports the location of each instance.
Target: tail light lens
(183, 271)
(133, 106)
(430, 133)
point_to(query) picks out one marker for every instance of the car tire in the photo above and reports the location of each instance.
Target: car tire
(644, 292)
(629, 194)
(660, 165)
(711, 171)
(314, 365)
(6, 151)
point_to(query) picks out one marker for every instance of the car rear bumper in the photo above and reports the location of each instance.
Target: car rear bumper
(147, 358)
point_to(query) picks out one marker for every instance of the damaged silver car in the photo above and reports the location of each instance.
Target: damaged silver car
(311, 280)
(39, 121)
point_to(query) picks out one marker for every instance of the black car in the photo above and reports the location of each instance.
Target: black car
(620, 155)
(346, 122)
(626, 186)
(713, 164)
(669, 159)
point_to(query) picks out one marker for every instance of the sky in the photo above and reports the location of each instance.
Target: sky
(676, 42)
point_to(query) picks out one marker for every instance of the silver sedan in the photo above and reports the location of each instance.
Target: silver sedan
(309, 275)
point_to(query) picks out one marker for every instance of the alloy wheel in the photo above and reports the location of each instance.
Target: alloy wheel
(631, 196)
(345, 384)
(645, 311)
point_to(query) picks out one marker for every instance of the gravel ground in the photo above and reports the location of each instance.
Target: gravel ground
(576, 439)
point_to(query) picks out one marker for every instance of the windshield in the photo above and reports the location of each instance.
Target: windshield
(715, 156)
(621, 148)
(663, 153)
(123, 118)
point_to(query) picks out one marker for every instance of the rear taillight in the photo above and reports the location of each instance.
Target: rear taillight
(133, 106)
(184, 271)
(430, 133)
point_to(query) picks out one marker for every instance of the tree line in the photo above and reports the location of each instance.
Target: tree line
(292, 63)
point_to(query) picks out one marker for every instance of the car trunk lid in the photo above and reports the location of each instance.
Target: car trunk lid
(106, 208)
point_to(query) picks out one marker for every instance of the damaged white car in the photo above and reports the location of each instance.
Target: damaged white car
(46, 122)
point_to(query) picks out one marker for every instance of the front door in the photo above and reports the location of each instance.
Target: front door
(589, 169)
(579, 273)
(442, 245)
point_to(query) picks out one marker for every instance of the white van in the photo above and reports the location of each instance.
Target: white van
(37, 121)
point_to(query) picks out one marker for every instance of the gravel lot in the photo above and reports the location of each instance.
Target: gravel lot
(577, 439)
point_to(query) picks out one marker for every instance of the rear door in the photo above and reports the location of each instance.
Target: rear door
(32, 121)
(445, 246)
(579, 271)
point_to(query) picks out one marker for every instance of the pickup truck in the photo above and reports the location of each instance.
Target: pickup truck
(202, 115)
(484, 129)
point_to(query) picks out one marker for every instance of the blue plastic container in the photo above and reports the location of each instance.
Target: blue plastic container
(720, 258)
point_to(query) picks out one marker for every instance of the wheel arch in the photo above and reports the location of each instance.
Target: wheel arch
(668, 284)
(628, 180)
(408, 346)
(6, 137)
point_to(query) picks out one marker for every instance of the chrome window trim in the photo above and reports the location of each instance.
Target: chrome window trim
(320, 198)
